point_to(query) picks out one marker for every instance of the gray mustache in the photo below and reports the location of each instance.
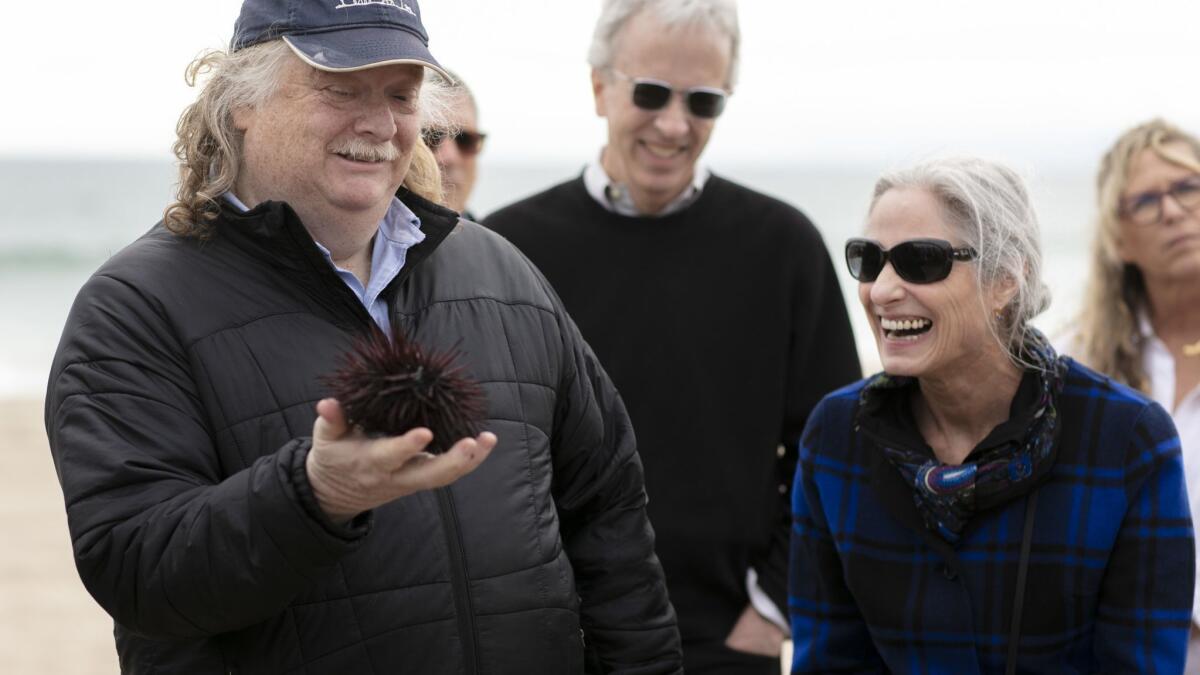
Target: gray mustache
(363, 151)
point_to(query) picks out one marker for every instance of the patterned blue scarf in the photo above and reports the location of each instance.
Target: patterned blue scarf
(948, 496)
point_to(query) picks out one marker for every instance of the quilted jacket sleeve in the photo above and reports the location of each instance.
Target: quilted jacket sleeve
(1144, 613)
(628, 622)
(167, 541)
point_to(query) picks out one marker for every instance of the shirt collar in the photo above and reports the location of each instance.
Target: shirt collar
(615, 197)
(1157, 363)
(399, 225)
(400, 229)
(1144, 325)
(886, 412)
(237, 203)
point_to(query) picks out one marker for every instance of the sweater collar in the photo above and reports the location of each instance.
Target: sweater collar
(615, 197)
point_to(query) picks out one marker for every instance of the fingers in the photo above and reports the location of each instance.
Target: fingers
(331, 421)
(430, 472)
(393, 452)
(351, 473)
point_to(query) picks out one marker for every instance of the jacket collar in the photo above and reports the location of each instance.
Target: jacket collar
(886, 415)
(437, 222)
(272, 231)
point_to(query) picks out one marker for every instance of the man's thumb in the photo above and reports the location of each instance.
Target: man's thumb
(331, 421)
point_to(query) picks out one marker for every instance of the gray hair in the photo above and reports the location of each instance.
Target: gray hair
(209, 146)
(456, 89)
(719, 15)
(989, 207)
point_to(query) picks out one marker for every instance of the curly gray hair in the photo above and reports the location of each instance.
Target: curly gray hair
(209, 147)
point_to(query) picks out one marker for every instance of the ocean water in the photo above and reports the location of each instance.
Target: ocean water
(61, 220)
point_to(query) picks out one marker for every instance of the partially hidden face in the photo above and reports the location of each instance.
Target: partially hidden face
(459, 168)
(932, 330)
(1168, 250)
(331, 144)
(654, 152)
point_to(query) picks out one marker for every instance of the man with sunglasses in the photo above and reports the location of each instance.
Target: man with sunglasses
(715, 309)
(457, 146)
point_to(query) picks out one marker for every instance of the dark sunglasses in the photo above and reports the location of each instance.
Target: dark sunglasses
(1146, 208)
(648, 94)
(918, 261)
(469, 142)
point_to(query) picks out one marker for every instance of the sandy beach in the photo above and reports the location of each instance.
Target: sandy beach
(48, 622)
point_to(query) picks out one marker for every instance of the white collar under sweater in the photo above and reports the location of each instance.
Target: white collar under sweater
(615, 197)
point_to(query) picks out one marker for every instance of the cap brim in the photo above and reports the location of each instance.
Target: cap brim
(362, 48)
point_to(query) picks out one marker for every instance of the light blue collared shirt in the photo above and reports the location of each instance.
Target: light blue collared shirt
(399, 231)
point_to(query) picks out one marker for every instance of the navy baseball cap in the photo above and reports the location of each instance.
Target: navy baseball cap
(339, 35)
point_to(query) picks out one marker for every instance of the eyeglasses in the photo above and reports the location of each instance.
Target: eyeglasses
(1146, 208)
(648, 94)
(469, 142)
(918, 261)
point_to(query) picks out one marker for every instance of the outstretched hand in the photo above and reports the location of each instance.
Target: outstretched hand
(351, 473)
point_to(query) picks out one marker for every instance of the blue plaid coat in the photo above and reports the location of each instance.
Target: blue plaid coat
(1110, 573)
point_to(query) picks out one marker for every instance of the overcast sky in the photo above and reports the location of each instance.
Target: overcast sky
(1050, 82)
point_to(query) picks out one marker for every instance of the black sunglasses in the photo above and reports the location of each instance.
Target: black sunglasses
(469, 142)
(1146, 208)
(918, 261)
(648, 94)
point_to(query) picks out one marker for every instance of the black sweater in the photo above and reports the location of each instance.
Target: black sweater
(722, 326)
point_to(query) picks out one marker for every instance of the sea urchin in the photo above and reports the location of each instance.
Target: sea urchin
(389, 386)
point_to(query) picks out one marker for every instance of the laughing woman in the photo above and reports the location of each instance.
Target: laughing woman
(983, 505)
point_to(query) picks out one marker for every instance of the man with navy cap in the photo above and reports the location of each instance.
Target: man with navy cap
(222, 509)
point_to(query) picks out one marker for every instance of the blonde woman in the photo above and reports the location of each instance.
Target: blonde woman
(1141, 320)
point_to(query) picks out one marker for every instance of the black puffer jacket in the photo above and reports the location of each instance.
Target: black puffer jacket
(178, 411)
